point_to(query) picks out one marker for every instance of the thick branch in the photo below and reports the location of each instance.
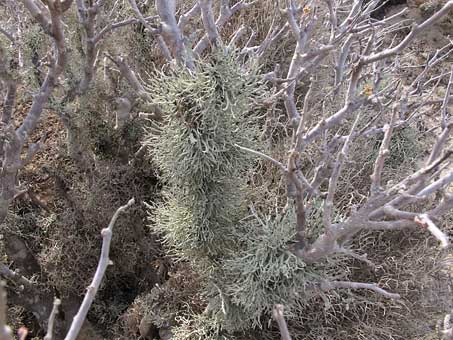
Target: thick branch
(171, 31)
(207, 17)
(51, 80)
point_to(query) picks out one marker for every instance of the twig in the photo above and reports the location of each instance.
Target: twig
(7, 34)
(151, 31)
(262, 155)
(425, 221)
(383, 152)
(416, 29)
(444, 109)
(6, 272)
(5, 331)
(338, 167)
(53, 314)
(277, 313)
(329, 285)
(358, 257)
(104, 262)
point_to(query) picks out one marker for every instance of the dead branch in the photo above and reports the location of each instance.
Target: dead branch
(53, 314)
(226, 12)
(171, 32)
(163, 46)
(5, 331)
(383, 152)
(329, 285)
(92, 289)
(277, 313)
(425, 221)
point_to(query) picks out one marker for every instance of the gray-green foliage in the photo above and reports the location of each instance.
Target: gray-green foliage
(200, 327)
(207, 114)
(265, 272)
(245, 261)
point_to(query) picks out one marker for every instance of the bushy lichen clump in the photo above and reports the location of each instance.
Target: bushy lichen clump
(244, 261)
(265, 272)
(207, 116)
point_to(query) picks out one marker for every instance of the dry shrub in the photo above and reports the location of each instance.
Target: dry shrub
(160, 308)
(72, 247)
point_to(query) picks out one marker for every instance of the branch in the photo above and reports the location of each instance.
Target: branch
(133, 81)
(437, 185)
(163, 46)
(207, 16)
(112, 27)
(7, 35)
(338, 167)
(225, 14)
(332, 121)
(51, 80)
(362, 258)
(383, 152)
(5, 331)
(11, 88)
(38, 13)
(330, 285)
(6, 272)
(171, 32)
(184, 19)
(104, 262)
(277, 313)
(53, 314)
(302, 35)
(425, 221)
(416, 29)
(262, 155)
(444, 108)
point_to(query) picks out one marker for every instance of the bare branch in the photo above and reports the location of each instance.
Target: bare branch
(425, 221)
(133, 81)
(7, 35)
(5, 331)
(338, 167)
(262, 155)
(40, 15)
(112, 27)
(53, 314)
(104, 262)
(416, 29)
(329, 285)
(11, 88)
(444, 110)
(440, 143)
(383, 152)
(51, 80)
(163, 46)
(362, 258)
(6, 272)
(225, 14)
(277, 313)
(184, 19)
(207, 17)
(171, 31)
